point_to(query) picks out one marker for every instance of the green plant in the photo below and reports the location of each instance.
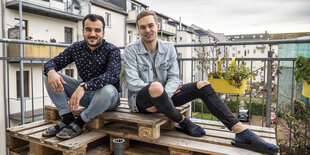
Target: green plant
(302, 70)
(298, 121)
(233, 73)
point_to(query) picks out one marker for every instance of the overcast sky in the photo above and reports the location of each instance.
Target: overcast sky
(238, 16)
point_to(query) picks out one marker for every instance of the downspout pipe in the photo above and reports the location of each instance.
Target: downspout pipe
(21, 55)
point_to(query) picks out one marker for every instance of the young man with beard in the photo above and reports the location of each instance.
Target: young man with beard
(99, 65)
(152, 74)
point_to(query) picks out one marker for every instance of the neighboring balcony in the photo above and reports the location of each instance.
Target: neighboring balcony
(53, 8)
(132, 16)
(167, 29)
(34, 51)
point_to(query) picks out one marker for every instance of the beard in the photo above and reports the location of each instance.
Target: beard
(93, 45)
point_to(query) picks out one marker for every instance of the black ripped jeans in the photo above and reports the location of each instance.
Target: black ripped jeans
(189, 92)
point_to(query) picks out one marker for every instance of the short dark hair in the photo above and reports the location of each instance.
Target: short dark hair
(147, 13)
(94, 17)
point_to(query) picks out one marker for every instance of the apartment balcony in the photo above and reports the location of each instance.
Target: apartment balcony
(34, 51)
(132, 16)
(52, 8)
(167, 29)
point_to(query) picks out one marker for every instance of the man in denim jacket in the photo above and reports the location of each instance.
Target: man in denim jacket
(152, 74)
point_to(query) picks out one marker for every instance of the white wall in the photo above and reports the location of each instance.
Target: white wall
(114, 34)
(187, 52)
(42, 27)
(135, 33)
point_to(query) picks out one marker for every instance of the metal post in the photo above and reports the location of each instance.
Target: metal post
(89, 7)
(263, 103)
(4, 64)
(8, 97)
(269, 88)
(277, 105)
(250, 108)
(21, 54)
(43, 88)
(192, 65)
(32, 99)
(292, 99)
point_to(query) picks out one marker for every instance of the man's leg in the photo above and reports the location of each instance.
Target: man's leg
(244, 137)
(154, 95)
(97, 102)
(61, 102)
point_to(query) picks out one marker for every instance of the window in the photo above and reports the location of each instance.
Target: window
(262, 51)
(69, 72)
(243, 46)
(233, 55)
(26, 83)
(238, 52)
(129, 37)
(68, 35)
(254, 51)
(244, 52)
(108, 19)
(248, 51)
(14, 32)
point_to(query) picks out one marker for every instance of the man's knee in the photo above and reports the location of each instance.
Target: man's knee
(201, 84)
(108, 90)
(156, 89)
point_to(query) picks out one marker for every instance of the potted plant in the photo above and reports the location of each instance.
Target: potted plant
(230, 79)
(302, 73)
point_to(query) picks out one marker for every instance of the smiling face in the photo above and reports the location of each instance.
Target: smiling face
(93, 33)
(148, 29)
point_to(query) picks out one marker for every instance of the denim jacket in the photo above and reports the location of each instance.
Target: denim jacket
(139, 72)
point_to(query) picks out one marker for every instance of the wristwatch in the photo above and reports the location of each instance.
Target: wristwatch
(83, 86)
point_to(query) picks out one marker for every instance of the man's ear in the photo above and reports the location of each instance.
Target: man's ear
(103, 34)
(158, 26)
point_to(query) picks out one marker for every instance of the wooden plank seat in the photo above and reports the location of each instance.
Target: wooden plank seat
(149, 125)
(28, 137)
(215, 142)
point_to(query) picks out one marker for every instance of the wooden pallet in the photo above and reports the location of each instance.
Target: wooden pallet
(27, 139)
(149, 125)
(217, 139)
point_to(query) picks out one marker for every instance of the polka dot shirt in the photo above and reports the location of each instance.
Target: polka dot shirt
(97, 68)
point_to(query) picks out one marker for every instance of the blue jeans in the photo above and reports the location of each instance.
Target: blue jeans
(97, 101)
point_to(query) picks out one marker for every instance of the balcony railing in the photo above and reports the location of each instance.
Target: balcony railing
(168, 29)
(53, 8)
(132, 16)
(34, 51)
(270, 96)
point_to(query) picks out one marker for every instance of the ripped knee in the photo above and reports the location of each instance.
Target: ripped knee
(156, 89)
(201, 84)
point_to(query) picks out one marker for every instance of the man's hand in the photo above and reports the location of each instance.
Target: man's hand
(151, 109)
(178, 90)
(55, 81)
(74, 101)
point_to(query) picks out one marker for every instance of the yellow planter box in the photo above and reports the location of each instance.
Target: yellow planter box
(306, 89)
(222, 86)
